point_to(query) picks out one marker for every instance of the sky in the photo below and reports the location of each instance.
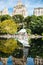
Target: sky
(30, 5)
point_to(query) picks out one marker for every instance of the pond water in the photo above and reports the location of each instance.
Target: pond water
(1, 63)
(9, 61)
(29, 61)
(8, 45)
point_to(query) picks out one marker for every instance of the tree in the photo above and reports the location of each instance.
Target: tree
(27, 21)
(33, 18)
(36, 26)
(8, 26)
(18, 18)
(4, 17)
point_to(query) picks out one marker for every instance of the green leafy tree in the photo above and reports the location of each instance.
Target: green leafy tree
(27, 21)
(8, 26)
(36, 26)
(5, 17)
(18, 18)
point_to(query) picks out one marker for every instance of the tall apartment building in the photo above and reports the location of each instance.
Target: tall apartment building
(4, 11)
(20, 9)
(38, 11)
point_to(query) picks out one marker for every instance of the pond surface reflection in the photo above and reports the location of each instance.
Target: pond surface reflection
(1, 63)
(30, 61)
(7, 45)
(9, 61)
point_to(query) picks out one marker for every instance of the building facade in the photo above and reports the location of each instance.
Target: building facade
(4, 11)
(38, 11)
(20, 9)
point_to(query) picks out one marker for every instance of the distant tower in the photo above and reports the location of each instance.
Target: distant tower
(19, 2)
(5, 11)
(20, 9)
